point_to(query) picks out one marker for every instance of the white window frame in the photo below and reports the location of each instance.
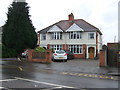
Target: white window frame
(56, 35)
(76, 49)
(89, 35)
(56, 47)
(75, 35)
(43, 36)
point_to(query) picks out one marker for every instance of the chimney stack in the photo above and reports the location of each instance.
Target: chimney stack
(71, 17)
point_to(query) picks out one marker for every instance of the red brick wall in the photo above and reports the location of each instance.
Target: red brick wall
(47, 59)
(102, 58)
(79, 56)
(48, 46)
(97, 44)
(38, 39)
(65, 47)
(84, 50)
(71, 17)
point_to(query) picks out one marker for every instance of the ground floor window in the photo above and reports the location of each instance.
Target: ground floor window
(76, 49)
(56, 47)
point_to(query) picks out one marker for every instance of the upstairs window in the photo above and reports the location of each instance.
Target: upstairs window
(43, 37)
(75, 35)
(56, 35)
(91, 35)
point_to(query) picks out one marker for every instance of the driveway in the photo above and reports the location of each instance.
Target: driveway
(80, 65)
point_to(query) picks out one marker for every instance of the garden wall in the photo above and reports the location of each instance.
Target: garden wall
(43, 57)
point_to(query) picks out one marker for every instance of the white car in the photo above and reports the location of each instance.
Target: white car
(59, 55)
(24, 54)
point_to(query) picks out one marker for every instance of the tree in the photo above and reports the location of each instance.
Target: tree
(18, 31)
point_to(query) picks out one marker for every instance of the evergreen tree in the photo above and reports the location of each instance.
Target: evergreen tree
(18, 31)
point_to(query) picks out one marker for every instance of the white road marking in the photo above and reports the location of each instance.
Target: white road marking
(8, 80)
(2, 87)
(56, 85)
(20, 69)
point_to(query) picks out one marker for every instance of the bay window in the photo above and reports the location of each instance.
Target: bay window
(56, 35)
(56, 47)
(76, 49)
(75, 35)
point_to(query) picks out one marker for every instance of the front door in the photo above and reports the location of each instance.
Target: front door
(91, 53)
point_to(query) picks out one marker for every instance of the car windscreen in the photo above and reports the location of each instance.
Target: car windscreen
(60, 51)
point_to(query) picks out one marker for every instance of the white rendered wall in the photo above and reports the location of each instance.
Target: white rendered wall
(65, 39)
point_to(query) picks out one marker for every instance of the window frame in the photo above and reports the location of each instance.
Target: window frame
(93, 36)
(76, 49)
(56, 47)
(43, 36)
(56, 35)
(75, 35)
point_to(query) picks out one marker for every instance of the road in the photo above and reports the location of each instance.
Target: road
(16, 74)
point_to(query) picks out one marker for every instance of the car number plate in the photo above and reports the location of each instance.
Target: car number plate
(60, 57)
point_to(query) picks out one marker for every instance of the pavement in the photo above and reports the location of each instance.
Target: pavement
(77, 65)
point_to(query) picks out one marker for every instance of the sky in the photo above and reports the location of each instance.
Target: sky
(103, 14)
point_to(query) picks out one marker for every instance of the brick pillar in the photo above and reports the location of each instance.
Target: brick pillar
(38, 43)
(49, 56)
(84, 50)
(30, 54)
(65, 46)
(96, 44)
(102, 58)
(48, 46)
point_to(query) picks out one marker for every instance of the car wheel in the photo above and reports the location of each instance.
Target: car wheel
(65, 60)
(53, 60)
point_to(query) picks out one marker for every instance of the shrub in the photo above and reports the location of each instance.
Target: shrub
(7, 52)
(40, 49)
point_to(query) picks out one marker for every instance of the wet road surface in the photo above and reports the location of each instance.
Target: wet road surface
(16, 74)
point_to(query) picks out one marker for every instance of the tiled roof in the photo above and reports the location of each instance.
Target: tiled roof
(65, 24)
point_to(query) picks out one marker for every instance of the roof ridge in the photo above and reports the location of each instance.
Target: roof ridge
(48, 26)
(65, 24)
(90, 24)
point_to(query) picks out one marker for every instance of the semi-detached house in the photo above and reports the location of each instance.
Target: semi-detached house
(80, 37)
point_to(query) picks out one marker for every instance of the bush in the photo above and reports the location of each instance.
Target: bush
(40, 49)
(7, 52)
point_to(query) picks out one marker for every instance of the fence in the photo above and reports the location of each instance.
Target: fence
(112, 54)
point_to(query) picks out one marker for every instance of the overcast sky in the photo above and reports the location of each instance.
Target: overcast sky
(101, 13)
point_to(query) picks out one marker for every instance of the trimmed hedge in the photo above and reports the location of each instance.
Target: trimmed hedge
(40, 49)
